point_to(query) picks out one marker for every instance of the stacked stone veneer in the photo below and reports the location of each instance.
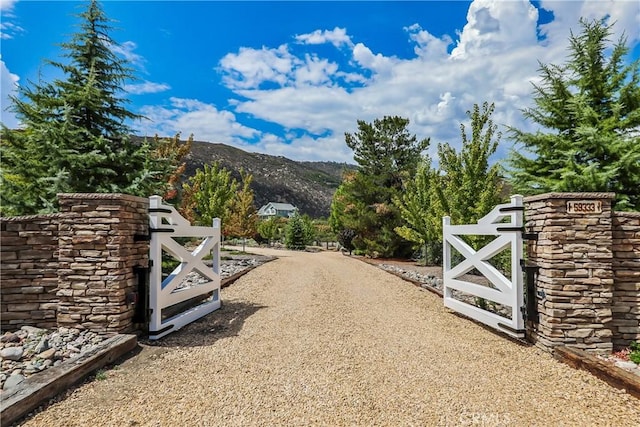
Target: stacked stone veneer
(588, 278)
(626, 273)
(28, 271)
(86, 255)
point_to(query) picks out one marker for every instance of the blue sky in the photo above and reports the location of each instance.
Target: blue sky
(290, 78)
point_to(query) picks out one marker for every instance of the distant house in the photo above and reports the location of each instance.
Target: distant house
(271, 209)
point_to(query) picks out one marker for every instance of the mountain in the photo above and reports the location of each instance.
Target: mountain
(307, 185)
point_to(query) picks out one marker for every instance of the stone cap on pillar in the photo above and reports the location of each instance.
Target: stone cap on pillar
(594, 195)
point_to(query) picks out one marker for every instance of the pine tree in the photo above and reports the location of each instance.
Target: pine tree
(296, 233)
(243, 220)
(386, 154)
(589, 111)
(75, 129)
(208, 194)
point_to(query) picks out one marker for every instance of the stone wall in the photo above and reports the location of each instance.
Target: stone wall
(587, 281)
(85, 255)
(28, 271)
(626, 268)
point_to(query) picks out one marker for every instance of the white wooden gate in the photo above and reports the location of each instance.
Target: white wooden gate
(191, 280)
(460, 294)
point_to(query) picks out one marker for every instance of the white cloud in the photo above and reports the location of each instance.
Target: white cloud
(7, 5)
(625, 14)
(9, 86)
(190, 116)
(337, 37)
(207, 123)
(250, 68)
(146, 87)
(126, 50)
(495, 59)
(493, 26)
(428, 46)
(8, 29)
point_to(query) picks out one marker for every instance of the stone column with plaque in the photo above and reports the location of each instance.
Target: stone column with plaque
(572, 250)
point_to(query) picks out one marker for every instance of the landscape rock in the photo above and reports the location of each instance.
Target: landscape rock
(47, 354)
(13, 381)
(12, 353)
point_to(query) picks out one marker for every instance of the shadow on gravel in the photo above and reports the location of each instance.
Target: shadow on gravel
(222, 323)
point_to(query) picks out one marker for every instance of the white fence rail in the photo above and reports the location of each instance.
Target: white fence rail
(181, 285)
(508, 292)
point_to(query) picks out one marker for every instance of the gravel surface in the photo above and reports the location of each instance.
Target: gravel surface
(31, 350)
(323, 339)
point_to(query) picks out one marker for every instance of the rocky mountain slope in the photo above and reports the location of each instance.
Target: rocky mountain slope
(307, 185)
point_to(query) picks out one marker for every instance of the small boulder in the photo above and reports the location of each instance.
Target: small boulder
(10, 337)
(47, 354)
(42, 345)
(12, 353)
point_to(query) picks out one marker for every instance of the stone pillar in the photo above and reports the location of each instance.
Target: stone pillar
(573, 252)
(97, 256)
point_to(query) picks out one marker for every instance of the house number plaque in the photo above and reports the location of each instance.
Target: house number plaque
(584, 206)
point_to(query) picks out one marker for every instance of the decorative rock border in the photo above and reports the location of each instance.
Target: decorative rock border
(29, 394)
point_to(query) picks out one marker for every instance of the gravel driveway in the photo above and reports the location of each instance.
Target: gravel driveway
(323, 339)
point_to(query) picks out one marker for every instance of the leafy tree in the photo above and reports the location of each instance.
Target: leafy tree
(271, 228)
(175, 151)
(242, 220)
(387, 155)
(467, 186)
(297, 233)
(208, 194)
(589, 111)
(74, 136)
(418, 207)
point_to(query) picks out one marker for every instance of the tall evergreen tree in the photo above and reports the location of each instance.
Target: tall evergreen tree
(589, 111)
(75, 131)
(386, 154)
(297, 233)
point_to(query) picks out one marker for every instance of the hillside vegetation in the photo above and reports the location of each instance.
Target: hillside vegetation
(307, 185)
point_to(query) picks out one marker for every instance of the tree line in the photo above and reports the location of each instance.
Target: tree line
(587, 114)
(75, 137)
